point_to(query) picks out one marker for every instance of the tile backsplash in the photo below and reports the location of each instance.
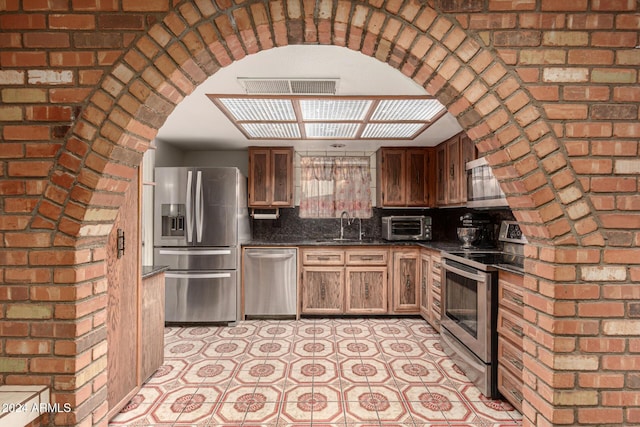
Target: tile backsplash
(290, 227)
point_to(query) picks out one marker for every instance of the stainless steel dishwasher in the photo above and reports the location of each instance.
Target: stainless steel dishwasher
(270, 282)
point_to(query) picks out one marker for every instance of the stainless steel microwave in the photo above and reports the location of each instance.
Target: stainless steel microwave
(483, 189)
(406, 228)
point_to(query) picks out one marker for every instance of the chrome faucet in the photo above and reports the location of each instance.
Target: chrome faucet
(343, 215)
(360, 233)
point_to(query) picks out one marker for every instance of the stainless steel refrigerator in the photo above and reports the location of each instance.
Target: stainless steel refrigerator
(200, 220)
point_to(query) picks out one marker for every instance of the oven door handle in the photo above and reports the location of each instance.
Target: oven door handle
(477, 277)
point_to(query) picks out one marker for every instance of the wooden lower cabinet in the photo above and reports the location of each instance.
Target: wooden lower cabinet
(425, 270)
(510, 337)
(344, 281)
(366, 290)
(322, 290)
(406, 281)
(435, 287)
(152, 325)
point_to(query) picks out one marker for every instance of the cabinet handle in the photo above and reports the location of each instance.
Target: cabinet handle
(517, 364)
(436, 303)
(452, 171)
(366, 291)
(516, 395)
(407, 284)
(323, 291)
(517, 300)
(436, 284)
(424, 285)
(323, 258)
(366, 258)
(518, 331)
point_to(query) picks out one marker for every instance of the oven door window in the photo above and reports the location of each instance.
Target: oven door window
(462, 302)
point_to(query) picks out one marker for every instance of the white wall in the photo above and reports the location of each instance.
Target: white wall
(235, 158)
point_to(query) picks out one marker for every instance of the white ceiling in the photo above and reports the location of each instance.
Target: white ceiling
(197, 124)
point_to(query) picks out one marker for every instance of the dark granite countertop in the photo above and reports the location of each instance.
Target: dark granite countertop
(437, 245)
(150, 270)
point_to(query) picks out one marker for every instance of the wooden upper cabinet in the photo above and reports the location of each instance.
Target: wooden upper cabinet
(441, 174)
(454, 167)
(270, 177)
(451, 180)
(404, 177)
(391, 173)
(468, 152)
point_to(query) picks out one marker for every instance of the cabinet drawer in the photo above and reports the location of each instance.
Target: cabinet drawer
(510, 387)
(510, 357)
(510, 296)
(436, 265)
(367, 257)
(323, 257)
(436, 285)
(510, 326)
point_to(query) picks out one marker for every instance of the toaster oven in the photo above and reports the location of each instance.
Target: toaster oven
(406, 228)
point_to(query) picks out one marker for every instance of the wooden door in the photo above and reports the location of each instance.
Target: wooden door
(322, 290)
(441, 174)
(393, 175)
(453, 170)
(468, 153)
(282, 177)
(406, 287)
(366, 290)
(123, 277)
(259, 177)
(425, 269)
(416, 178)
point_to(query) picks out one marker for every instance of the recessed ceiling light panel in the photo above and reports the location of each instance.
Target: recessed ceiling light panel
(259, 109)
(391, 130)
(334, 109)
(331, 130)
(407, 109)
(271, 130)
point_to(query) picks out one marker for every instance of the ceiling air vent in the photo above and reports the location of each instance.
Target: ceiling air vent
(289, 86)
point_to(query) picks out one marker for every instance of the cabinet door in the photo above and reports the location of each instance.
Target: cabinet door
(259, 177)
(123, 304)
(406, 287)
(393, 170)
(441, 174)
(366, 289)
(282, 179)
(453, 170)
(416, 178)
(322, 290)
(468, 153)
(425, 269)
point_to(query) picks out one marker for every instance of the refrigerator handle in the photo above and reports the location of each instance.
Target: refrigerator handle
(189, 208)
(199, 207)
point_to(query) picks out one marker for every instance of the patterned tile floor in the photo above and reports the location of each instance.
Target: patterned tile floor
(311, 372)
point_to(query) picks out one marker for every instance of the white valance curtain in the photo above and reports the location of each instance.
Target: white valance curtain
(331, 185)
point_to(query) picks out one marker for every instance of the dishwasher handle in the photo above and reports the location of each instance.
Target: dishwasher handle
(172, 275)
(257, 255)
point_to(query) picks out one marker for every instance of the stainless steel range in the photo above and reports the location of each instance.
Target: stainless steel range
(470, 305)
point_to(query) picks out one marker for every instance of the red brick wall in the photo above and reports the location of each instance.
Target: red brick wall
(549, 89)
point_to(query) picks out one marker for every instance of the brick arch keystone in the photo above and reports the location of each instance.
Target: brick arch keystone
(198, 38)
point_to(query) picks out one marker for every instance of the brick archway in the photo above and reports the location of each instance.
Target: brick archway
(491, 101)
